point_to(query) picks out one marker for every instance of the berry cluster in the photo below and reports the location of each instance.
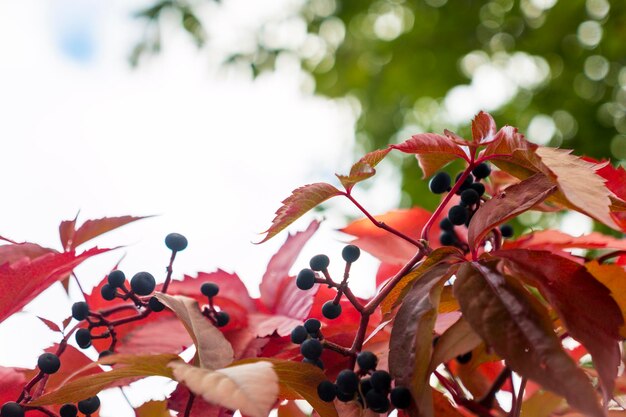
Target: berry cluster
(219, 318)
(309, 336)
(471, 192)
(368, 386)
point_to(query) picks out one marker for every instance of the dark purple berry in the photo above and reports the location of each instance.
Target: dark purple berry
(319, 262)
(381, 381)
(367, 360)
(350, 253)
(116, 279)
(330, 310)
(89, 406)
(400, 397)
(446, 225)
(12, 409)
(457, 215)
(80, 310)
(222, 318)
(108, 292)
(316, 362)
(142, 283)
(210, 289)
(377, 401)
(466, 183)
(68, 410)
(506, 230)
(464, 358)
(440, 183)
(155, 305)
(482, 170)
(470, 197)
(311, 349)
(175, 242)
(83, 338)
(305, 279)
(343, 397)
(326, 391)
(365, 385)
(299, 335)
(478, 187)
(48, 363)
(347, 381)
(312, 326)
(447, 238)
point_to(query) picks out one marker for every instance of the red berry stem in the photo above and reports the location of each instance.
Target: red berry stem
(190, 400)
(516, 407)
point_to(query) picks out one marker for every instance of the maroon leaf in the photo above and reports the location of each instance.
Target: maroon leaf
(515, 200)
(50, 324)
(23, 279)
(200, 408)
(71, 237)
(456, 340)
(584, 304)
(432, 151)
(483, 128)
(298, 203)
(363, 169)
(517, 327)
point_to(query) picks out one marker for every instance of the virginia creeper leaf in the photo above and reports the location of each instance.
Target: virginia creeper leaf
(363, 169)
(458, 339)
(298, 203)
(251, 388)
(432, 151)
(50, 324)
(87, 386)
(12, 382)
(213, 350)
(290, 409)
(148, 337)
(483, 128)
(152, 409)
(515, 200)
(614, 278)
(555, 239)
(517, 327)
(71, 237)
(584, 304)
(410, 346)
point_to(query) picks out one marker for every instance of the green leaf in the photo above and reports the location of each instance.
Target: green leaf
(363, 169)
(432, 151)
(298, 203)
(517, 327)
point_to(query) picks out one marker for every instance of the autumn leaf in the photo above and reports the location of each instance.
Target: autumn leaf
(458, 339)
(515, 200)
(555, 239)
(363, 169)
(71, 237)
(298, 203)
(614, 278)
(23, 279)
(251, 388)
(152, 409)
(432, 151)
(290, 409)
(483, 128)
(517, 327)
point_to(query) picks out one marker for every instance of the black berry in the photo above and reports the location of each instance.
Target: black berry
(210, 289)
(447, 238)
(482, 170)
(464, 358)
(175, 242)
(68, 410)
(83, 338)
(312, 326)
(305, 279)
(347, 381)
(377, 401)
(470, 197)
(142, 283)
(506, 230)
(155, 305)
(311, 349)
(350, 253)
(48, 363)
(457, 215)
(316, 362)
(299, 335)
(319, 262)
(331, 311)
(381, 381)
(89, 406)
(343, 397)
(400, 397)
(440, 183)
(466, 183)
(367, 360)
(12, 409)
(104, 354)
(108, 292)
(326, 391)
(446, 224)
(80, 310)
(116, 278)
(222, 318)
(366, 385)
(478, 187)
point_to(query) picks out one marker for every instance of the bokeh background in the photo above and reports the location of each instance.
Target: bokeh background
(208, 113)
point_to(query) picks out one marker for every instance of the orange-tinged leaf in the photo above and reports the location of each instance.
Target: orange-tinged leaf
(363, 169)
(87, 386)
(298, 203)
(432, 151)
(458, 339)
(251, 388)
(517, 327)
(541, 404)
(614, 278)
(71, 237)
(513, 201)
(152, 409)
(556, 239)
(483, 128)
(290, 409)
(213, 350)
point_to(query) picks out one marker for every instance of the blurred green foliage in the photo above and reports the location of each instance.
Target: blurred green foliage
(555, 69)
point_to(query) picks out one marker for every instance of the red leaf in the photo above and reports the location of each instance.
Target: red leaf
(147, 338)
(299, 202)
(178, 402)
(72, 361)
(483, 128)
(432, 151)
(12, 380)
(50, 324)
(584, 304)
(616, 182)
(515, 200)
(554, 239)
(24, 279)
(16, 251)
(518, 328)
(71, 237)
(363, 169)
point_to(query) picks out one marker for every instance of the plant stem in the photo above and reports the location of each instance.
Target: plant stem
(610, 255)
(190, 400)
(169, 270)
(517, 407)
(488, 398)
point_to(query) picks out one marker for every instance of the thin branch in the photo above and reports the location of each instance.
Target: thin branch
(610, 255)
(192, 397)
(515, 412)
